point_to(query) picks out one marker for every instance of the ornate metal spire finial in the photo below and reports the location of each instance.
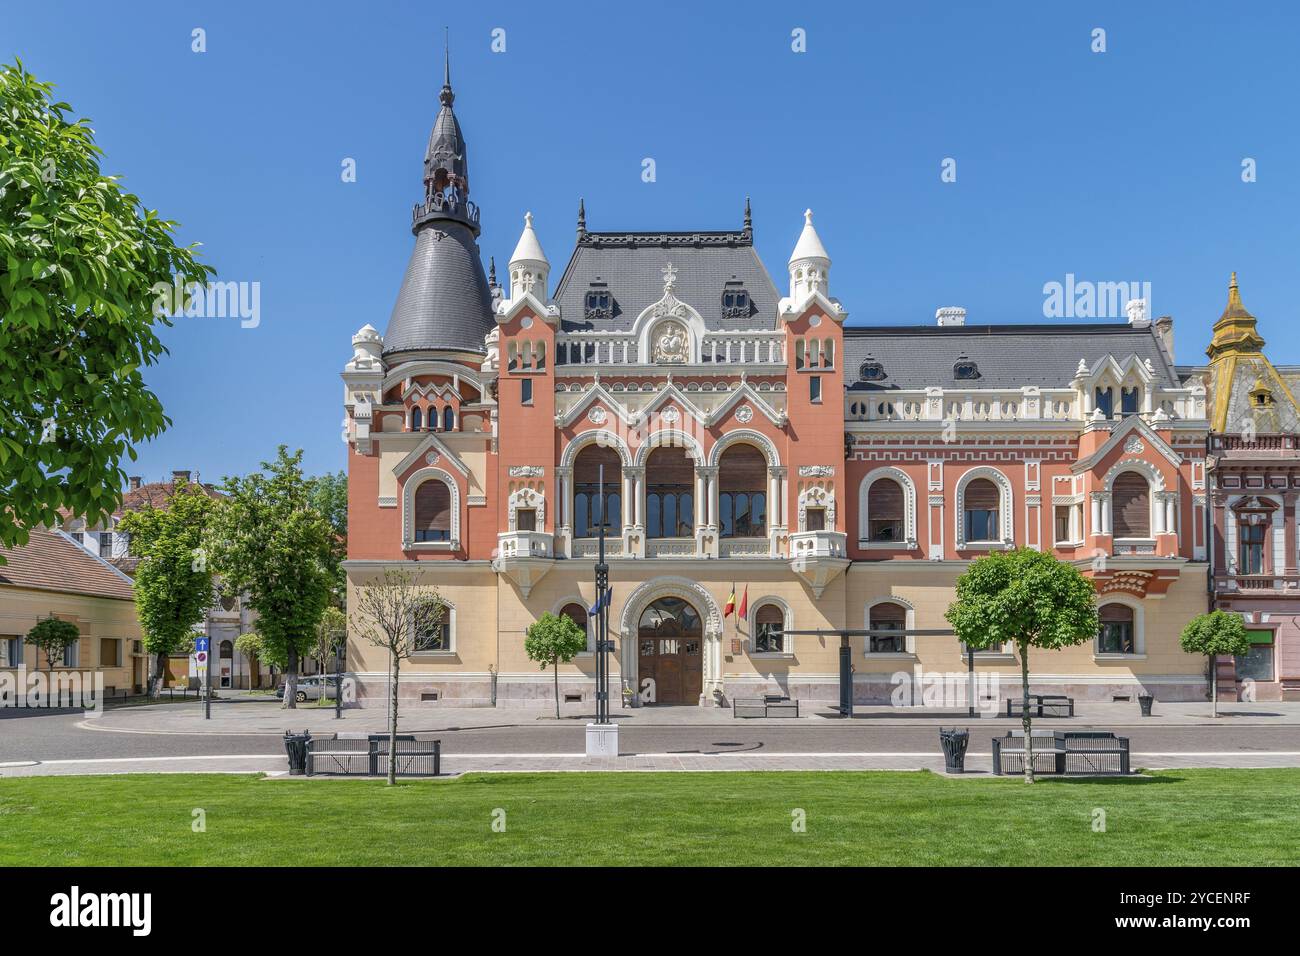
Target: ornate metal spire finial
(492, 271)
(582, 219)
(670, 277)
(446, 97)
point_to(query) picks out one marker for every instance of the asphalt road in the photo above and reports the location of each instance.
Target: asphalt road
(57, 737)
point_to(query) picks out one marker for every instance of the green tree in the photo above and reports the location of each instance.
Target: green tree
(79, 262)
(254, 649)
(52, 636)
(329, 496)
(1028, 598)
(266, 540)
(551, 640)
(392, 611)
(173, 582)
(331, 634)
(1218, 632)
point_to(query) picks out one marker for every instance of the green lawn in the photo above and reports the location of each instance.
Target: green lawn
(1185, 817)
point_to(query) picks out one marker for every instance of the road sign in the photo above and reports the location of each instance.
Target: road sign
(200, 644)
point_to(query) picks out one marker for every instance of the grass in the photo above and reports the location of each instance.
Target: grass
(1170, 818)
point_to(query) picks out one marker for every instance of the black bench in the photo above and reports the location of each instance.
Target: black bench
(1065, 752)
(1041, 705)
(368, 756)
(764, 706)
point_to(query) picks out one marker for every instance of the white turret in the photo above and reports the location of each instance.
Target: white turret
(810, 266)
(529, 267)
(367, 346)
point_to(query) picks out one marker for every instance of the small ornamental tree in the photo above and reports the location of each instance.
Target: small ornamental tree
(79, 261)
(551, 640)
(173, 583)
(331, 634)
(52, 636)
(1218, 632)
(392, 612)
(267, 540)
(1028, 598)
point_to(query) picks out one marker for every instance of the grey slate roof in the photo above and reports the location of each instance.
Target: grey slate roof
(444, 301)
(632, 263)
(1007, 355)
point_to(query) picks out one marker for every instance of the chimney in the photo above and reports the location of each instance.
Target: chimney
(950, 315)
(180, 477)
(133, 483)
(1165, 329)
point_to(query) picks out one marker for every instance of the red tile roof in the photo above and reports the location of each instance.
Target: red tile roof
(50, 562)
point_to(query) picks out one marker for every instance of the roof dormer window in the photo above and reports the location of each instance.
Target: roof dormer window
(599, 304)
(871, 371)
(735, 301)
(965, 369)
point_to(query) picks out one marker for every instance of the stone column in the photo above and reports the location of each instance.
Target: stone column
(1160, 514)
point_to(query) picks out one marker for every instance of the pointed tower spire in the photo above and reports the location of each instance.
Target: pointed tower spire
(748, 230)
(446, 97)
(582, 220)
(1235, 331)
(492, 271)
(809, 264)
(529, 266)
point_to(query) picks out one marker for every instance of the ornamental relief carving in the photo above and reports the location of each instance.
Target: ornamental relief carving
(526, 471)
(671, 343)
(816, 471)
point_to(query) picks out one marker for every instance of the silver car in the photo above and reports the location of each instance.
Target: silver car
(313, 688)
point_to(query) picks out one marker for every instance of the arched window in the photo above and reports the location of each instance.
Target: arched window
(670, 497)
(1128, 400)
(431, 419)
(769, 629)
(1105, 400)
(885, 504)
(416, 420)
(578, 615)
(1117, 634)
(742, 492)
(586, 492)
(433, 511)
(437, 638)
(981, 503)
(1131, 506)
(226, 650)
(448, 419)
(887, 616)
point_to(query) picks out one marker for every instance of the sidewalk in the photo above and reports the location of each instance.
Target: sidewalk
(978, 765)
(259, 716)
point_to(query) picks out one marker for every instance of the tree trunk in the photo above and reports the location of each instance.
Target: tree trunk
(160, 671)
(392, 722)
(291, 681)
(1214, 685)
(555, 665)
(1024, 713)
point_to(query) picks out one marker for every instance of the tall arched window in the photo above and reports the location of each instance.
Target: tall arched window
(742, 492)
(769, 629)
(887, 616)
(1117, 632)
(885, 504)
(416, 420)
(433, 511)
(586, 492)
(670, 496)
(578, 615)
(448, 419)
(1131, 506)
(982, 502)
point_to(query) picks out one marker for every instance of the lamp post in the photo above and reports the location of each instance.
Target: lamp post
(602, 735)
(340, 654)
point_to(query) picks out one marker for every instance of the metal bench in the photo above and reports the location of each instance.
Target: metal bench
(764, 706)
(1041, 705)
(368, 756)
(1064, 752)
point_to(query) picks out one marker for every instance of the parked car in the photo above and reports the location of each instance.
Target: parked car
(311, 688)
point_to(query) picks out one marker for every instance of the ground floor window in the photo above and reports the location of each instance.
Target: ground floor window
(769, 629)
(72, 655)
(887, 617)
(11, 651)
(110, 652)
(1257, 664)
(438, 637)
(1116, 635)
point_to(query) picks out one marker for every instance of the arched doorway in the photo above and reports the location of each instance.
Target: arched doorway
(670, 640)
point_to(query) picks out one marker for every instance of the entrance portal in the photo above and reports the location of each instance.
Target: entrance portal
(670, 639)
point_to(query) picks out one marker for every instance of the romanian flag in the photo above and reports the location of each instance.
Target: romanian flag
(744, 604)
(731, 603)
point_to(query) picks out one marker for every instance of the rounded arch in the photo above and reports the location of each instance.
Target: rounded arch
(909, 507)
(598, 436)
(1140, 465)
(1134, 605)
(650, 591)
(669, 438)
(747, 436)
(588, 625)
(787, 619)
(1006, 504)
(909, 621)
(409, 488)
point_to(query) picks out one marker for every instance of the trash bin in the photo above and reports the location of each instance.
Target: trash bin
(1145, 701)
(295, 745)
(954, 744)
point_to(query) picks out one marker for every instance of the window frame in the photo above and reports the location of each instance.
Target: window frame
(787, 625)
(1137, 636)
(448, 627)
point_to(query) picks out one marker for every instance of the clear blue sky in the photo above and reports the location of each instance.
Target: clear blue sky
(1121, 166)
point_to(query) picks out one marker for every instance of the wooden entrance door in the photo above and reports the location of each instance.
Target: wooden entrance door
(670, 643)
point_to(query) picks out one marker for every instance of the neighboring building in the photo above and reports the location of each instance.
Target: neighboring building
(1254, 474)
(226, 620)
(51, 575)
(845, 476)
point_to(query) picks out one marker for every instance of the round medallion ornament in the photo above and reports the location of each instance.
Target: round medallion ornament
(526, 323)
(815, 321)
(669, 414)
(1134, 445)
(744, 413)
(431, 458)
(597, 415)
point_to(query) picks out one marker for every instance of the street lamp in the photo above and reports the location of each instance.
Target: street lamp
(340, 654)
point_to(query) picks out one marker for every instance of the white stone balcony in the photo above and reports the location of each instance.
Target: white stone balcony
(524, 557)
(819, 557)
